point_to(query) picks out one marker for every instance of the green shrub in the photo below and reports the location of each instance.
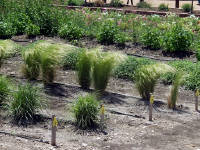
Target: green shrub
(198, 54)
(4, 89)
(32, 30)
(75, 2)
(70, 59)
(120, 39)
(116, 3)
(127, 69)
(32, 60)
(146, 78)
(143, 5)
(163, 7)
(186, 7)
(150, 37)
(6, 30)
(25, 104)
(84, 67)
(177, 38)
(85, 111)
(107, 33)
(71, 32)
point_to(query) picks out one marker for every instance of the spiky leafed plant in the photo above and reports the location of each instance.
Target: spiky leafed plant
(48, 64)
(31, 68)
(146, 78)
(2, 53)
(172, 99)
(84, 67)
(4, 89)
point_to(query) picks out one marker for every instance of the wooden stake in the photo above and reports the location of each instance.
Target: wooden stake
(53, 130)
(196, 99)
(102, 112)
(151, 107)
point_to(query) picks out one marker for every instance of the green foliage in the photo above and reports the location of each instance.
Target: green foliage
(198, 54)
(25, 103)
(116, 3)
(143, 5)
(4, 89)
(86, 111)
(8, 48)
(32, 60)
(107, 33)
(177, 38)
(120, 39)
(71, 32)
(84, 67)
(6, 30)
(163, 7)
(146, 78)
(32, 30)
(75, 2)
(127, 69)
(186, 7)
(150, 37)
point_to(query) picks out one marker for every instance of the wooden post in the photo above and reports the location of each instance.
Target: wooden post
(53, 130)
(177, 4)
(151, 107)
(196, 99)
(192, 6)
(102, 113)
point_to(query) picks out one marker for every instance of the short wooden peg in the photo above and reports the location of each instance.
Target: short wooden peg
(151, 107)
(196, 99)
(53, 130)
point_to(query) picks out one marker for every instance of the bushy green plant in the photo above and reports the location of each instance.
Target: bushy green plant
(143, 5)
(6, 30)
(25, 103)
(120, 39)
(32, 30)
(4, 89)
(163, 7)
(146, 78)
(85, 111)
(177, 38)
(32, 60)
(75, 2)
(71, 32)
(8, 48)
(186, 7)
(107, 33)
(84, 67)
(150, 37)
(116, 3)
(198, 54)
(127, 69)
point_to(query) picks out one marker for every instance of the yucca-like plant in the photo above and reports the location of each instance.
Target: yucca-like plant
(48, 65)
(4, 90)
(84, 67)
(25, 103)
(146, 78)
(172, 99)
(86, 111)
(31, 68)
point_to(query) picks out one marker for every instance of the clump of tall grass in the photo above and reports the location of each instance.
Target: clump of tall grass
(26, 102)
(86, 111)
(84, 67)
(146, 78)
(4, 89)
(173, 96)
(9, 48)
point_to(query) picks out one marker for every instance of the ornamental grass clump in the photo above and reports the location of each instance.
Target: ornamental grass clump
(146, 78)
(172, 99)
(26, 102)
(84, 67)
(4, 90)
(86, 111)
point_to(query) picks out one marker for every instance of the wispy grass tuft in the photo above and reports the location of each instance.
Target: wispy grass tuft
(4, 90)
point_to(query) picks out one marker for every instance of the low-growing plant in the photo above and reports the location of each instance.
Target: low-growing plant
(71, 32)
(150, 37)
(116, 3)
(177, 38)
(75, 2)
(143, 5)
(32, 30)
(86, 111)
(84, 67)
(26, 102)
(107, 33)
(4, 90)
(146, 78)
(198, 54)
(120, 39)
(163, 7)
(6, 30)
(186, 7)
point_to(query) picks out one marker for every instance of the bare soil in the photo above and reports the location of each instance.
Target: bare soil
(127, 125)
